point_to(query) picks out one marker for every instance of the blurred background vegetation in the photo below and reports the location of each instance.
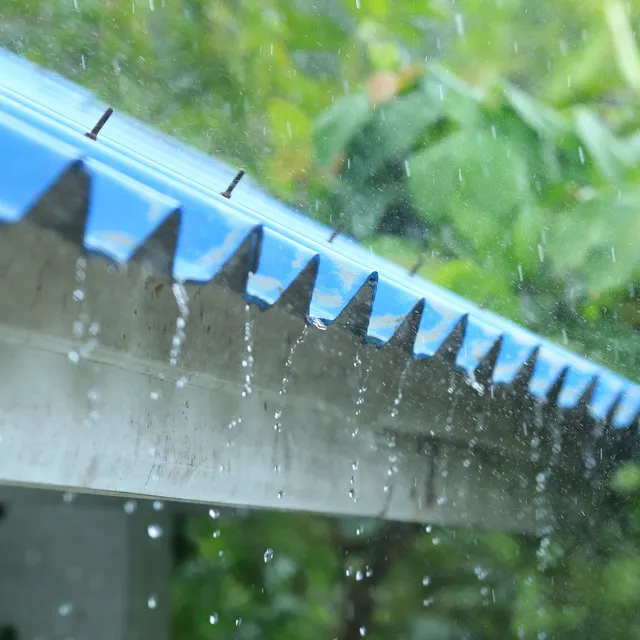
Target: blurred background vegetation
(495, 142)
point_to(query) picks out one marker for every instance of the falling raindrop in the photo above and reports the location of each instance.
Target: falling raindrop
(154, 395)
(157, 505)
(182, 301)
(364, 384)
(130, 506)
(268, 555)
(214, 514)
(247, 362)
(459, 24)
(398, 399)
(65, 609)
(363, 631)
(154, 531)
(285, 378)
(213, 618)
(152, 601)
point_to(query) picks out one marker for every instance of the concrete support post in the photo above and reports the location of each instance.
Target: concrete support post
(84, 567)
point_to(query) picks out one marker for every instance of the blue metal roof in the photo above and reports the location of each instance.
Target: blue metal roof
(142, 182)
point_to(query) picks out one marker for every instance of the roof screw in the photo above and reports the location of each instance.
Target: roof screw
(233, 185)
(93, 134)
(417, 266)
(336, 232)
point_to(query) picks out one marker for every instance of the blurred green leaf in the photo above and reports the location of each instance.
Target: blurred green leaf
(338, 125)
(597, 238)
(469, 168)
(627, 478)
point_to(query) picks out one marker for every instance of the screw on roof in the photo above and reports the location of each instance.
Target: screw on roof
(93, 134)
(234, 184)
(336, 232)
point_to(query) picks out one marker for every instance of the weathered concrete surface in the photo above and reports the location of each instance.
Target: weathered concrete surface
(89, 401)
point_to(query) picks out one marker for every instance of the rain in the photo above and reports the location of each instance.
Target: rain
(320, 320)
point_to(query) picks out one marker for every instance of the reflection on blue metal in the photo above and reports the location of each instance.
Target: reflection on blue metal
(139, 177)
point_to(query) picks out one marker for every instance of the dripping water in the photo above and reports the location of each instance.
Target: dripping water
(277, 416)
(364, 370)
(182, 300)
(285, 378)
(398, 399)
(86, 332)
(247, 364)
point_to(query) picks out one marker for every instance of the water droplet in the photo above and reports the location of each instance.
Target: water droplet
(78, 329)
(65, 609)
(154, 395)
(157, 505)
(180, 382)
(280, 495)
(152, 602)
(73, 356)
(214, 514)
(154, 531)
(216, 533)
(426, 581)
(363, 631)
(213, 618)
(78, 295)
(130, 506)
(268, 555)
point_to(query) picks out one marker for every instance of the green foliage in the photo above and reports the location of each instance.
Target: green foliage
(498, 142)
